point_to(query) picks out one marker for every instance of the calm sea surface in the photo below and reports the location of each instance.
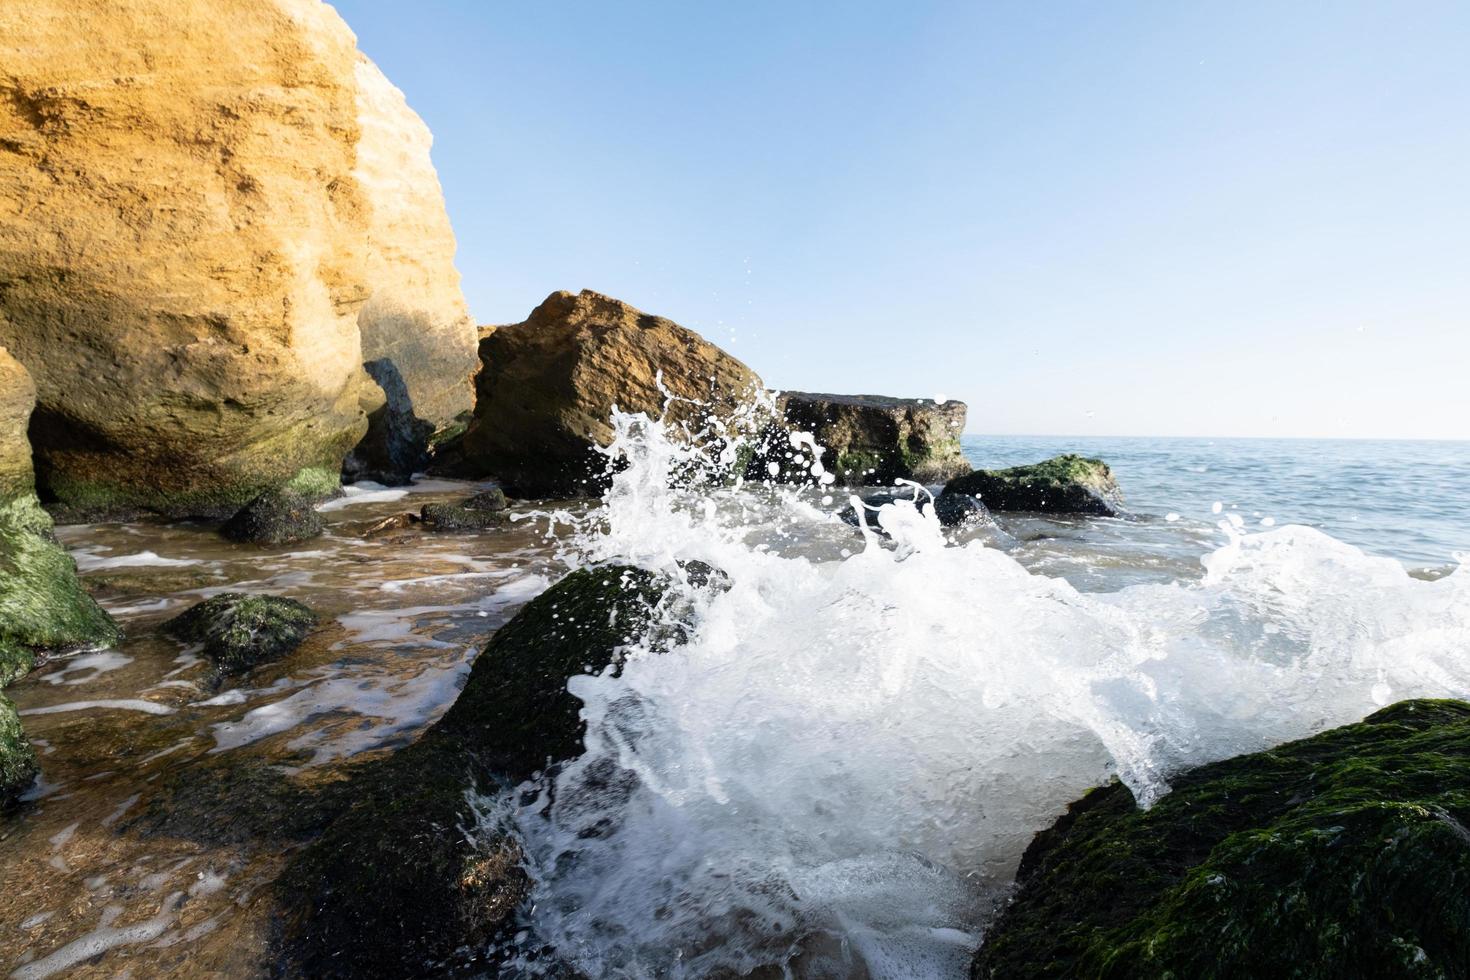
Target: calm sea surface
(1405, 499)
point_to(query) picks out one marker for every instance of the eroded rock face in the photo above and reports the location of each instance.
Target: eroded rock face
(872, 440)
(1067, 484)
(418, 339)
(547, 387)
(42, 603)
(1342, 855)
(200, 204)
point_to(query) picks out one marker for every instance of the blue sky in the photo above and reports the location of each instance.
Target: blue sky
(1097, 218)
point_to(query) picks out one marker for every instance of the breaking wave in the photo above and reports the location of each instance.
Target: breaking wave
(837, 773)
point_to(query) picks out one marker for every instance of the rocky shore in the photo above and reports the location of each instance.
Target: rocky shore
(226, 287)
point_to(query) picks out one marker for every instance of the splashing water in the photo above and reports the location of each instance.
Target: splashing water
(836, 774)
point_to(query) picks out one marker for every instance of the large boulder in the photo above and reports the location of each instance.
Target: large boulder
(401, 884)
(198, 204)
(873, 440)
(1067, 484)
(547, 387)
(1343, 855)
(43, 606)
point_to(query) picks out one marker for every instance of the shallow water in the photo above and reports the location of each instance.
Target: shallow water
(834, 777)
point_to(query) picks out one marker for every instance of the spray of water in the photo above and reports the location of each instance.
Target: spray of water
(836, 774)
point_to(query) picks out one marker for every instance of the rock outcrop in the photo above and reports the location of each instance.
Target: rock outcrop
(547, 387)
(42, 603)
(43, 606)
(1342, 855)
(239, 631)
(201, 207)
(275, 517)
(872, 440)
(399, 885)
(1066, 484)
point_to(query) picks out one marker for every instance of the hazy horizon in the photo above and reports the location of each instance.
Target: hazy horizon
(1105, 221)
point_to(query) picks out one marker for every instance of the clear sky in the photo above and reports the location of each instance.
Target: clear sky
(1198, 218)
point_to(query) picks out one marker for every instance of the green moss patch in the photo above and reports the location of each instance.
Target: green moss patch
(1343, 855)
(17, 760)
(42, 603)
(239, 631)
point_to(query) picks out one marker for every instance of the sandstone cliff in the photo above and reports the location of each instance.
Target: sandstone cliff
(198, 203)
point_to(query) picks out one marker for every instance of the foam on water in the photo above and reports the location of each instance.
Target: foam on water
(838, 771)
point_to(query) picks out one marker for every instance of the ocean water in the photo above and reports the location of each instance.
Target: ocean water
(838, 771)
(1406, 499)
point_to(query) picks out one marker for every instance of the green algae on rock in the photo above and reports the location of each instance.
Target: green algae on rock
(42, 603)
(17, 758)
(1341, 855)
(1067, 484)
(399, 884)
(239, 631)
(448, 517)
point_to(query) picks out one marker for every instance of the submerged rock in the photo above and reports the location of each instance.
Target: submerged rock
(448, 517)
(17, 759)
(1067, 484)
(872, 440)
(1343, 855)
(259, 217)
(401, 884)
(43, 606)
(275, 517)
(547, 387)
(240, 631)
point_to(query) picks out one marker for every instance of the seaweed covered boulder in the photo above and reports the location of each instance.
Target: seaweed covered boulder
(17, 759)
(239, 631)
(276, 517)
(401, 884)
(43, 606)
(1342, 855)
(873, 440)
(1067, 484)
(547, 387)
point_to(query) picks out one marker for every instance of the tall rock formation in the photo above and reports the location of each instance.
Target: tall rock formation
(197, 205)
(547, 387)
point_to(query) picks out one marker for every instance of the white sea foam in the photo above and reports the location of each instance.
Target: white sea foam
(90, 561)
(838, 771)
(121, 704)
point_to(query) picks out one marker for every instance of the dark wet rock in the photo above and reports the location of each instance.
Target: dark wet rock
(872, 440)
(240, 631)
(276, 517)
(448, 517)
(547, 386)
(953, 510)
(396, 445)
(17, 759)
(398, 885)
(1343, 855)
(492, 499)
(43, 606)
(1068, 484)
(960, 509)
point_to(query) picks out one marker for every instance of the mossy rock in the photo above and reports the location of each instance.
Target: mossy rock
(42, 603)
(240, 631)
(397, 885)
(1344, 855)
(276, 517)
(17, 759)
(1068, 484)
(448, 517)
(491, 499)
